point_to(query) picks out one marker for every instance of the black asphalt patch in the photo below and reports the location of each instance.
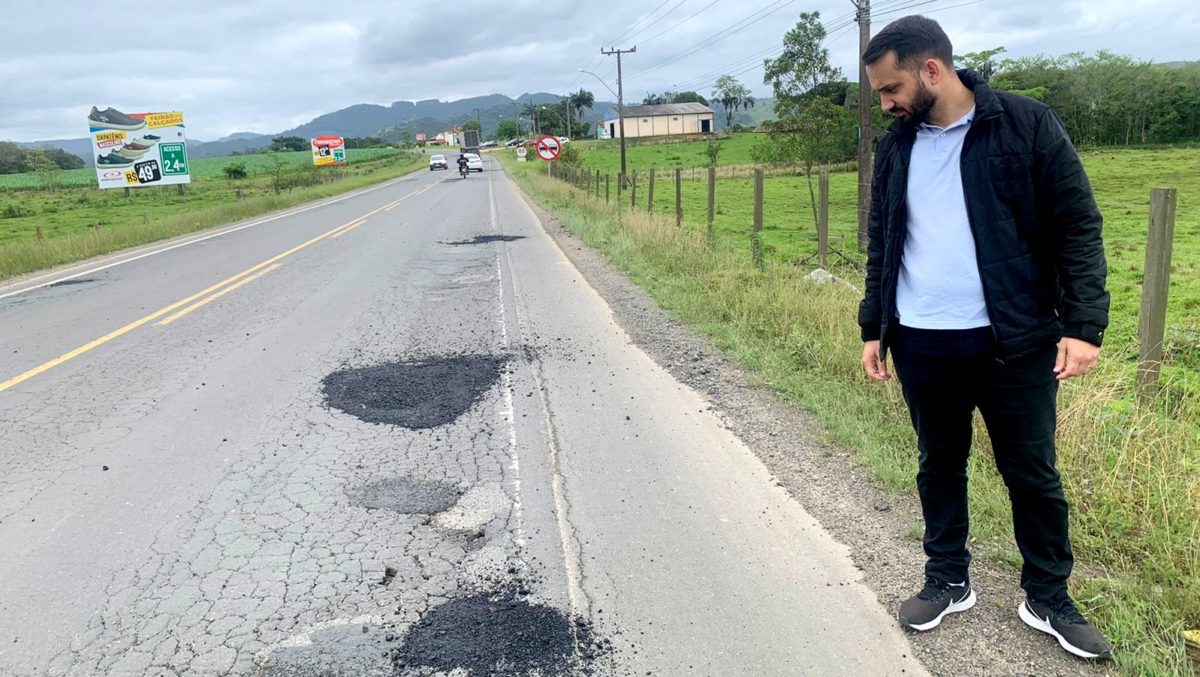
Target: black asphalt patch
(421, 394)
(68, 283)
(405, 495)
(484, 239)
(500, 634)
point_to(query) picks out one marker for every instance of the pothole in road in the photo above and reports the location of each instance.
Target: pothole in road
(417, 395)
(500, 634)
(484, 239)
(405, 495)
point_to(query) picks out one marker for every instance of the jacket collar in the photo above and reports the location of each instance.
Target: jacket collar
(987, 104)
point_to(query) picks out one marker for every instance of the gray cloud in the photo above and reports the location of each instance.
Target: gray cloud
(266, 65)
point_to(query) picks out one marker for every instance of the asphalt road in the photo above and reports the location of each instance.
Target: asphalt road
(391, 433)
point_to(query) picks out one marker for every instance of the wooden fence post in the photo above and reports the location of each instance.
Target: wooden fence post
(1152, 319)
(606, 188)
(678, 197)
(650, 194)
(597, 184)
(633, 191)
(712, 194)
(823, 221)
(39, 233)
(756, 235)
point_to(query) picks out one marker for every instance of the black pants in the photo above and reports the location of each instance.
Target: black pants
(945, 376)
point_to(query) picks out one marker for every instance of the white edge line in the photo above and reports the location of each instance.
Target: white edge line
(209, 236)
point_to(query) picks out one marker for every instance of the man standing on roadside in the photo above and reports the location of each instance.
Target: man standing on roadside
(986, 280)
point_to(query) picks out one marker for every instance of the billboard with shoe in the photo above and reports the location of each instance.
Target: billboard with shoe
(138, 149)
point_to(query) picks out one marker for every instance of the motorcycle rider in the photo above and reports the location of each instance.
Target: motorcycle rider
(462, 164)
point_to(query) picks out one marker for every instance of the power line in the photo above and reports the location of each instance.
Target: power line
(647, 26)
(693, 16)
(593, 62)
(722, 34)
(832, 25)
(639, 22)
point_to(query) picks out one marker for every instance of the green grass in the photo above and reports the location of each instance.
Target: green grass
(68, 217)
(1132, 476)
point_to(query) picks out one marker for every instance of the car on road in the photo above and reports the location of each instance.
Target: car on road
(563, 140)
(513, 142)
(489, 144)
(437, 162)
(474, 162)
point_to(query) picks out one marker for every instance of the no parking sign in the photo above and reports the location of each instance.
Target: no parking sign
(548, 148)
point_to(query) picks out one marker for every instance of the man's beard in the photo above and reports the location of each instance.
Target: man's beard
(922, 104)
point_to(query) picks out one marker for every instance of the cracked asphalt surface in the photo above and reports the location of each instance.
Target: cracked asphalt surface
(348, 465)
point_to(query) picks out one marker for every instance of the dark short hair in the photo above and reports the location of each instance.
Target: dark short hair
(913, 39)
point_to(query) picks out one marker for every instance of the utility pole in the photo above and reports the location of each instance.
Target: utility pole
(865, 136)
(620, 102)
(479, 121)
(567, 99)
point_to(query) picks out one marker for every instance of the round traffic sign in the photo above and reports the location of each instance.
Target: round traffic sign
(521, 152)
(548, 148)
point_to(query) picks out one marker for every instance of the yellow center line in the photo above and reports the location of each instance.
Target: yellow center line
(214, 297)
(117, 333)
(344, 228)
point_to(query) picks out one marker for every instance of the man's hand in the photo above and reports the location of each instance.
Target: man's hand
(874, 365)
(1075, 358)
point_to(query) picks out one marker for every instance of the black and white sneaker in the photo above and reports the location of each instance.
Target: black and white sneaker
(925, 610)
(1064, 622)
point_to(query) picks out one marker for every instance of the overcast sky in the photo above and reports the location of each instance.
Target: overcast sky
(268, 65)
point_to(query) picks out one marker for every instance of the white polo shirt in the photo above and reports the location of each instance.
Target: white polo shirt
(939, 285)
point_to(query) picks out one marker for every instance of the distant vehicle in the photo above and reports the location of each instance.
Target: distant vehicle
(563, 140)
(512, 142)
(470, 140)
(474, 162)
(489, 144)
(437, 162)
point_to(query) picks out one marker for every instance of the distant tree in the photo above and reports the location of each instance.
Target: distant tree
(47, 172)
(12, 158)
(581, 101)
(471, 124)
(732, 95)
(688, 97)
(282, 143)
(507, 129)
(235, 170)
(983, 62)
(804, 63)
(63, 159)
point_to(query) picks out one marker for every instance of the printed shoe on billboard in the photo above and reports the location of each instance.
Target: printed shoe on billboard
(113, 160)
(111, 118)
(130, 153)
(148, 140)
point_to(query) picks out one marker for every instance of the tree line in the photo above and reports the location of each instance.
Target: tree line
(15, 159)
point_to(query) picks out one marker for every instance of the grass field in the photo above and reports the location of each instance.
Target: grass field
(1132, 475)
(80, 222)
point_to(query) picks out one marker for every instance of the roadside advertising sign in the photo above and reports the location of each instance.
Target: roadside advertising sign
(138, 149)
(328, 150)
